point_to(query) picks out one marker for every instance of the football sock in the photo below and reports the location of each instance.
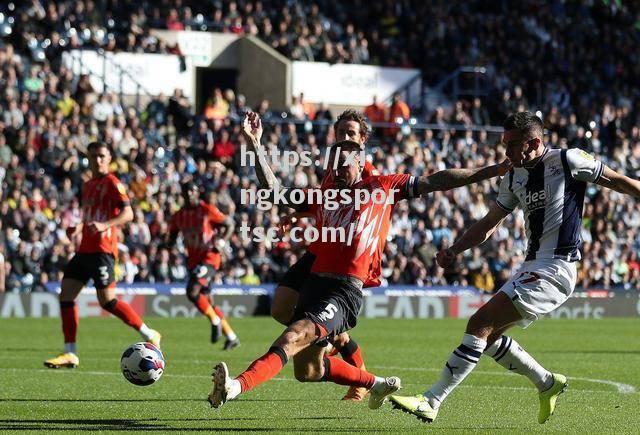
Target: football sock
(228, 332)
(124, 311)
(70, 319)
(510, 355)
(342, 373)
(461, 362)
(146, 332)
(263, 369)
(350, 352)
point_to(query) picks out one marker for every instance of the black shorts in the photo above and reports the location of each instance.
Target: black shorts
(201, 274)
(299, 273)
(98, 267)
(333, 303)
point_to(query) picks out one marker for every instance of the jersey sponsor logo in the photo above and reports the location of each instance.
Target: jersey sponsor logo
(535, 200)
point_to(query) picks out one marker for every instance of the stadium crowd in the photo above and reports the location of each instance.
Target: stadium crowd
(48, 117)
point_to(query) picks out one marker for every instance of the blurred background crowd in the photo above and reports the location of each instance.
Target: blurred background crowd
(581, 73)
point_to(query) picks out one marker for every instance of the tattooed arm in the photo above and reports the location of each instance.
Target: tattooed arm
(252, 131)
(452, 178)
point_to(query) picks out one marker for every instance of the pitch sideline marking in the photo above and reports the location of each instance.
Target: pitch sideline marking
(621, 387)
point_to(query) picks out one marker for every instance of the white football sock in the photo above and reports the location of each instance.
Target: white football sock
(146, 332)
(461, 362)
(234, 390)
(510, 355)
(215, 321)
(231, 336)
(69, 348)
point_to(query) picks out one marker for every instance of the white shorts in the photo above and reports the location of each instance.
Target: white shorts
(540, 286)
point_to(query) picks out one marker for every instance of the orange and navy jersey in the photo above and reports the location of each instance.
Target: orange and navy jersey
(367, 171)
(198, 227)
(366, 229)
(103, 199)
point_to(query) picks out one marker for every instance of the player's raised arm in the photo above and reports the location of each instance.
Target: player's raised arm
(252, 131)
(452, 178)
(475, 235)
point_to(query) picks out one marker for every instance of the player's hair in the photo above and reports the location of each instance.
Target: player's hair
(96, 145)
(354, 115)
(526, 122)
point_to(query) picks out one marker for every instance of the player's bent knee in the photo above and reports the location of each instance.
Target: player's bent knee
(479, 324)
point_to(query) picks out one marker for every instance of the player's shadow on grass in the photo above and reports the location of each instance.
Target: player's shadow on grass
(102, 400)
(157, 424)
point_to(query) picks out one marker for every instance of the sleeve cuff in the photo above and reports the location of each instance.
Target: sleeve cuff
(504, 207)
(599, 171)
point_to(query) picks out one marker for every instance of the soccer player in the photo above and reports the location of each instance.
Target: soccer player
(198, 222)
(549, 185)
(331, 299)
(105, 207)
(350, 125)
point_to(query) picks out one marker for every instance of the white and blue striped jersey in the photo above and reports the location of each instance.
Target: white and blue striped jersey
(551, 195)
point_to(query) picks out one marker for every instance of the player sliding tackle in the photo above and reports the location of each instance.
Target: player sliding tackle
(331, 299)
(549, 185)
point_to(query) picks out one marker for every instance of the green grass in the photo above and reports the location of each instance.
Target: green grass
(96, 397)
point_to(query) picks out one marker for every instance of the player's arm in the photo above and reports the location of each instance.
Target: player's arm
(452, 178)
(475, 235)
(125, 216)
(227, 227)
(619, 182)
(252, 131)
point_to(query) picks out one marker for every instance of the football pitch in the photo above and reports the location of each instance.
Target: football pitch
(601, 358)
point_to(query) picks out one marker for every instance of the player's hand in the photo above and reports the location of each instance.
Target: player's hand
(252, 127)
(445, 257)
(504, 167)
(96, 227)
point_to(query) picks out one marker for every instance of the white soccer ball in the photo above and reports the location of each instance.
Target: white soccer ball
(142, 364)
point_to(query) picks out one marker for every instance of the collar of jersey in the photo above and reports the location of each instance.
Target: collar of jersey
(546, 150)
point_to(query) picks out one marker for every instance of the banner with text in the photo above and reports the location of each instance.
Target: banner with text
(350, 84)
(237, 302)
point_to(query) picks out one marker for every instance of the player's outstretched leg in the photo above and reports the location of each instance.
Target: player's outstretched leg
(496, 315)
(510, 355)
(127, 314)
(294, 340)
(70, 289)
(350, 353)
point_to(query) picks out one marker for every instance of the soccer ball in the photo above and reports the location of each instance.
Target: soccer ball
(142, 364)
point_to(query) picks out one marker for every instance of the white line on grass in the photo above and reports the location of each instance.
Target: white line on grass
(622, 388)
